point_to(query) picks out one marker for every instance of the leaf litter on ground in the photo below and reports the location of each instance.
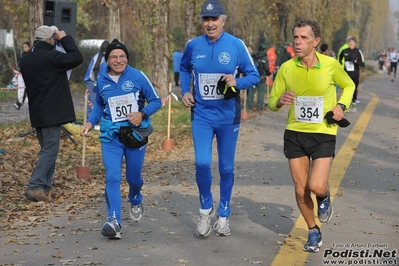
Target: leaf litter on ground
(70, 195)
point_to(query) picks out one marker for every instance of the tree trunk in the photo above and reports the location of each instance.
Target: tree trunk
(35, 17)
(190, 19)
(282, 8)
(112, 19)
(160, 46)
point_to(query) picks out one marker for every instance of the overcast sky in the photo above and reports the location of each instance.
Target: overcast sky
(395, 4)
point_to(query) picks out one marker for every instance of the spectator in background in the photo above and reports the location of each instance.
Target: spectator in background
(18, 81)
(331, 53)
(50, 101)
(271, 57)
(285, 53)
(324, 48)
(19, 84)
(262, 65)
(177, 55)
(92, 74)
(290, 49)
(25, 47)
(250, 49)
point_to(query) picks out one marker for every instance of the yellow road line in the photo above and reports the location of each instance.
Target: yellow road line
(291, 253)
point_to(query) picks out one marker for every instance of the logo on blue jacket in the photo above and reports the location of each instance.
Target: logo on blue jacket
(127, 85)
(224, 58)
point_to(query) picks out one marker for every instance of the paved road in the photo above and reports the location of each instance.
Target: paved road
(265, 222)
(8, 114)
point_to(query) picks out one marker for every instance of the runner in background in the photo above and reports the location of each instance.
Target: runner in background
(352, 59)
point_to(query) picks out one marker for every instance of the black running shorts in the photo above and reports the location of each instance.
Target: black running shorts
(312, 145)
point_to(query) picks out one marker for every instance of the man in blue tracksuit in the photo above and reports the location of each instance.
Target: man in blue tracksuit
(120, 104)
(208, 58)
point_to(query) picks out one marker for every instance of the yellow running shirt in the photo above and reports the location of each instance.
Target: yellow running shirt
(315, 93)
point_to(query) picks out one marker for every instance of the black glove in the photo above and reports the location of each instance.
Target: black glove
(228, 92)
(341, 123)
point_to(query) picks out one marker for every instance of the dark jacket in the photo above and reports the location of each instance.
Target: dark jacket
(282, 56)
(262, 64)
(44, 71)
(356, 57)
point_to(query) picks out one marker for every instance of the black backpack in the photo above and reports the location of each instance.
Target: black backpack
(261, 65)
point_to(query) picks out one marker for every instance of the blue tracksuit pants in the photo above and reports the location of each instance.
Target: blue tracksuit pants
(112, 154)
(226, 136)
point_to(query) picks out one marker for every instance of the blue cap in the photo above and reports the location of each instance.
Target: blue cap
(212, 8)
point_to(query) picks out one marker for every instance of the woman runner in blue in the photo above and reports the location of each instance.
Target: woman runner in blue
(215, 56)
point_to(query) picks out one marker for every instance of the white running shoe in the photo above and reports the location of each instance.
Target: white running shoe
(136, 212)
(204, 227)
(222, 227)
(112, 230)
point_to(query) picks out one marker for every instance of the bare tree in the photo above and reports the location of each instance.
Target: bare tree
(190, 20)
(35, 16)
(112, 19)
(283, 13)
(161, 55)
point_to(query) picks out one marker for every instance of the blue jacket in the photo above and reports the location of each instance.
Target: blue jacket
(89, 76)
(131, 81)
(176, 61)
(207, 61)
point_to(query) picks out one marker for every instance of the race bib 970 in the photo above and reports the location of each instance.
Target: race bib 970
(208, 86)
(309, 109)
(122, 105)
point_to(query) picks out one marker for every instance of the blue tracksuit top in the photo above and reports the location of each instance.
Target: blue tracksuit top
(90, 67)
(131, 81)
(206, 61)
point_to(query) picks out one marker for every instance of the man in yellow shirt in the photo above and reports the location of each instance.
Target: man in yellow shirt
(306, 83)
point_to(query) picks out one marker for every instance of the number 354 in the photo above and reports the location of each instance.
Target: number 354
(309, 112)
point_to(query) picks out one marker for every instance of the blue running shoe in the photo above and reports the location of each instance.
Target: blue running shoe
(112, 230)
(325, 209)
(314, 241)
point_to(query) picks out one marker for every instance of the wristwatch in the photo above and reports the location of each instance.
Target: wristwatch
(343, 106)
(143, 114)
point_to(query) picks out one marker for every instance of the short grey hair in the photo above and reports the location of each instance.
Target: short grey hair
(311, 23)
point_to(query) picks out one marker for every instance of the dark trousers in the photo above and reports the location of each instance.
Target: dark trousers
(355, 79)
(177, 78)
(49, 140)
